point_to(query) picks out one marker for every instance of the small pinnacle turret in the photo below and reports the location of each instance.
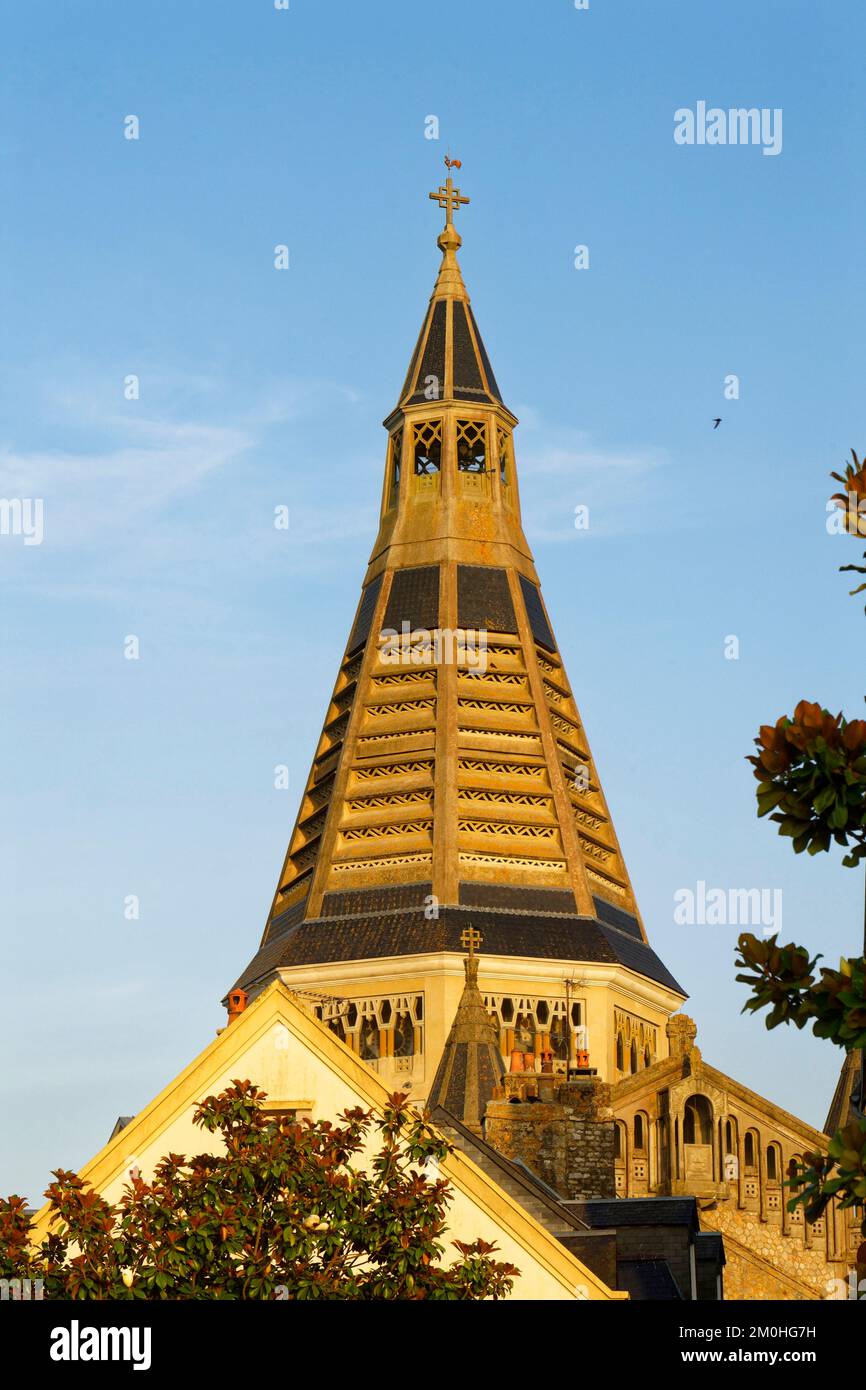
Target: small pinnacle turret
(450, 361)
(471, 1066)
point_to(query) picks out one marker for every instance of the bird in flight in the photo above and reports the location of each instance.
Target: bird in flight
(717, 422)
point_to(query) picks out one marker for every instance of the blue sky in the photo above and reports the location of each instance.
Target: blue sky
(260, 388)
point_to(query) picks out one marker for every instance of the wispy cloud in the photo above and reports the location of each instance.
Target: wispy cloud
(130, 474)
(561, 469)
(99, 491)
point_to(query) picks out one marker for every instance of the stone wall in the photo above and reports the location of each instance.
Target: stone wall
(589, 1139)
(565, 1135)
(762, 1262)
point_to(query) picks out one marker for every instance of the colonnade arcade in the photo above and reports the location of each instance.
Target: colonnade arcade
(697, 1143)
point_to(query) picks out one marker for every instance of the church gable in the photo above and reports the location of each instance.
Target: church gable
(305, 1068)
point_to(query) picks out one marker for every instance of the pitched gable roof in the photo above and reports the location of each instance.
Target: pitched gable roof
(278, 1044)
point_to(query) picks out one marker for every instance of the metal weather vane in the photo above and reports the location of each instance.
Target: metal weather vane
(447, 196)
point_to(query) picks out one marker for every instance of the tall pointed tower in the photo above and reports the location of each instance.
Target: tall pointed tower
(453, 783)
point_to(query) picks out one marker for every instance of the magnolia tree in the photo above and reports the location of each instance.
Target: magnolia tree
(852, 505)
(282, 1212)
(811, 772)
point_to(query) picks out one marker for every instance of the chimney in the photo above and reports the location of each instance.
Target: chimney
(238, 1000)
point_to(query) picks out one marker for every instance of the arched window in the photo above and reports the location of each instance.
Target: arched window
(633, 1057)
(502, 446)
(698, 1121)
(618, 1145)
(471, 446)
(368, 1039)
(729, 1137)
(559, 1037)
(749, 1149)
(396, 460)
(524, 1032)
(773, 1164)
(639, 1133)
(428, 448)
(647, 1056)
(404, 1036)
(620, 1061)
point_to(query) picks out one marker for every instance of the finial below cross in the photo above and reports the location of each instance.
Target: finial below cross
(447, 196)
(470, 938)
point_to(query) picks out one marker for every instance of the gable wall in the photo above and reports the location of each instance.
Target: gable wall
(296, 1060)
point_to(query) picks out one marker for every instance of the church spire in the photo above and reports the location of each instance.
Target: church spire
(453, 778)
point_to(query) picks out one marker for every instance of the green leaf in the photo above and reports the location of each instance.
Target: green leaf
(824, 799)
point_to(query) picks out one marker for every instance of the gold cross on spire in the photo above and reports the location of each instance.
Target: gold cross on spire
(470, 938)
(447, 196)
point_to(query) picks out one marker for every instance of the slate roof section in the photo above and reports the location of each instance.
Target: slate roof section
(471, 1065)
(639, 1211)
(416, 353)
(710, 1246)
(491, 379)
(615, 917)
(350, 902)
(467, 372)
(281, 922)
(484, 599)
(536, 614)
(647, 1279)
(513, 897)
(433, 360)
(538, 936)
(468, 357)
(638, 956)
(414, 599)
(361, 630)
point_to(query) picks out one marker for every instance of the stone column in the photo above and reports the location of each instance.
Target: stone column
(679, 1146)
(762, 1178)
(787, 1228)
